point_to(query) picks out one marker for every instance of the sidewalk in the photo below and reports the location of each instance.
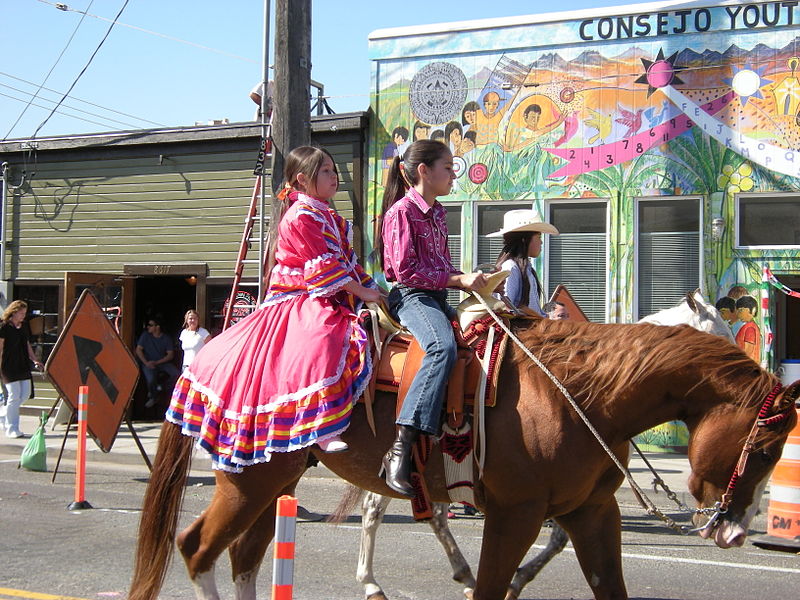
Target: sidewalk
(672, 468)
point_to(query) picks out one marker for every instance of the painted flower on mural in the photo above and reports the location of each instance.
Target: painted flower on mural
(736, 180)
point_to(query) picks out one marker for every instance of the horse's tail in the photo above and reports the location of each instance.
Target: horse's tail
(352, 495)
(162, 505)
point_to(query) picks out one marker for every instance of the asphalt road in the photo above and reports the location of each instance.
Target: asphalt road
(47, 552)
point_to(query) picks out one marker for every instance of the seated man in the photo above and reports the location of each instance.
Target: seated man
(156, 350)
(556, 310)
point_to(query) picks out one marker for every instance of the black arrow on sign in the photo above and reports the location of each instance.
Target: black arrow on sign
(87, 351)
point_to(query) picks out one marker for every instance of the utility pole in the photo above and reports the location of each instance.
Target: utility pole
(292, 105)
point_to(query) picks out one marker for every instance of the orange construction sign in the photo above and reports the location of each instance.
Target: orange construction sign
(90, 352)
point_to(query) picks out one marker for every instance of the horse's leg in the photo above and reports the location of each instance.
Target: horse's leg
(596, 536)
(461, 571)
(526, 573)
(373, 507)
(508, 533)
(247, 551)
(238, 501)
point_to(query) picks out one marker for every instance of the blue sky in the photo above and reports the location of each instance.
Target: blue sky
(177, 62)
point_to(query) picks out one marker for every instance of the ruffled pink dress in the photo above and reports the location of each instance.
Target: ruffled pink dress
(289, 374)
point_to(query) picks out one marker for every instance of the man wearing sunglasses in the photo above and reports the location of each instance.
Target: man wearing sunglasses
(156, 350)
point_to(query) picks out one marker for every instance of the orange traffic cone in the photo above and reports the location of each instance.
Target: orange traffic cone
(783, 513)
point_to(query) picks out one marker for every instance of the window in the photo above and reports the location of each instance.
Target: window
(490, 219)
(772, 221)
(668, 252)
(42, 316)
(454, 245)
(577, 257)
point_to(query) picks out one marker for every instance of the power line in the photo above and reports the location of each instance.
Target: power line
(36, 94)
(86, 112)
(63, 7)
(91, 58)
(100, 106)
(66, 114)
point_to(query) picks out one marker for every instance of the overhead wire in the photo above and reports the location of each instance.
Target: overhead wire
(100, 106)
(29, 102)
(91, 58)
(50, 72)
(63, 7)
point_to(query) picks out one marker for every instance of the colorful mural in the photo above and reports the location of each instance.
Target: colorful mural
(701, 101)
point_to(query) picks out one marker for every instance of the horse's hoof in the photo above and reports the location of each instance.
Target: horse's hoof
(377, 596)
(511, 595)
(468, 594)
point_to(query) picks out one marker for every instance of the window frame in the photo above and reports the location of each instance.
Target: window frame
(545, 265)
(636, 244)
(738, 215)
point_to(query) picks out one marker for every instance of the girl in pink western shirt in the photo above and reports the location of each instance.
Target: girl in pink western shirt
(414, 254)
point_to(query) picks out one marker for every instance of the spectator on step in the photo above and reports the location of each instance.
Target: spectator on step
(155, 350)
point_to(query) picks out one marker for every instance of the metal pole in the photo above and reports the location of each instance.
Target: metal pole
(262, 209)
(3, 207)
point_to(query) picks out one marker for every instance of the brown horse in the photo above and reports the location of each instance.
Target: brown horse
(541, 460)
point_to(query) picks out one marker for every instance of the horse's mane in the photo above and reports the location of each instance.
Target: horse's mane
(597, 362)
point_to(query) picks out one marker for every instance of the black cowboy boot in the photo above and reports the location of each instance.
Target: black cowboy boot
(397, 461)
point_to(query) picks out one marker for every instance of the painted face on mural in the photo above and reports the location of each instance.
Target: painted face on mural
(491, 102)
(744, 314)
(532, 120)
(469, 117)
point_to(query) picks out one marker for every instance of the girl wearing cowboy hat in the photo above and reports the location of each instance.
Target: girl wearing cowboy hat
(522, 240)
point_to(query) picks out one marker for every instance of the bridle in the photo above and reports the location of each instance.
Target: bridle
(762, 421)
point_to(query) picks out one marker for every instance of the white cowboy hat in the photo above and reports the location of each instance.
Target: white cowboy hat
(523, 220)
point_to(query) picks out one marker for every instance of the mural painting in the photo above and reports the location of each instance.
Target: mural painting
(701, 102)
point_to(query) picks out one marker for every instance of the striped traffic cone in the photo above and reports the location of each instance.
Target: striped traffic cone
(783, 513)
(283, 557)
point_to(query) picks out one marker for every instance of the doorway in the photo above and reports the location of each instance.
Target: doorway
(787, 321)
(167, 297)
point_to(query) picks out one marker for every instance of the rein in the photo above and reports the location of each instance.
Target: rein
(720, 507)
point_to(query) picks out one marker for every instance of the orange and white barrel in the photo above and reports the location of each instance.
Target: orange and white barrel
(783, 513)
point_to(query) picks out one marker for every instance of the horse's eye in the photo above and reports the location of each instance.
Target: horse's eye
(765, 456)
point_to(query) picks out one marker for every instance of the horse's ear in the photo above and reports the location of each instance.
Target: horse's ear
(691, 302)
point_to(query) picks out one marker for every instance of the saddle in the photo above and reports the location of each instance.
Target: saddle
(399, 356)
(472, 385)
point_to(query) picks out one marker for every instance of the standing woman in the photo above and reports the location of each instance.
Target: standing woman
(413, 251)
(522, 240)
(193, 337)
(15, 364)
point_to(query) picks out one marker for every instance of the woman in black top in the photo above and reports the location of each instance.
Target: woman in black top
(16, 356)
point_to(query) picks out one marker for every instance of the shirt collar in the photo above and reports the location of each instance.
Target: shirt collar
(417, 198)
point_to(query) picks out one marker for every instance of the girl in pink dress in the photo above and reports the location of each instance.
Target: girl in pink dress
(287, 376)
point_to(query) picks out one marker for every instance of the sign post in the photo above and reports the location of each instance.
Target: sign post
(80, 502)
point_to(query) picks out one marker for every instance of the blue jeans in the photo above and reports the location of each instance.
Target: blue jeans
(426, 314)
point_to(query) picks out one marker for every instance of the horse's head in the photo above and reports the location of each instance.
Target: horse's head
(732, 468)
(694, 311)
(706, 317)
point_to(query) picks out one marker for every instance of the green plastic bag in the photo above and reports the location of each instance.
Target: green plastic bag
(34, 455)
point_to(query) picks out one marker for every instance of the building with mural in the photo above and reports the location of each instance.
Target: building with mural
(662, 140)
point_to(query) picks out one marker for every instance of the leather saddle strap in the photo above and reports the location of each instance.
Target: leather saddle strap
(413, 362)
(455, 394)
